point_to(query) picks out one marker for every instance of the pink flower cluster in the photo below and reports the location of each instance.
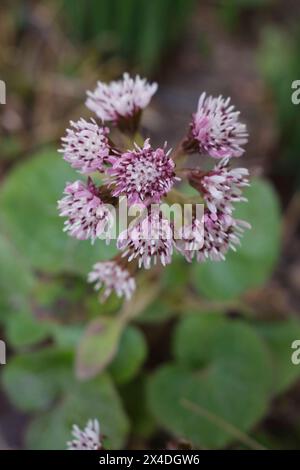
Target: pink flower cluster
(146, 176)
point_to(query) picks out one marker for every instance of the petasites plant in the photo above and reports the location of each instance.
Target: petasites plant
(145, 177)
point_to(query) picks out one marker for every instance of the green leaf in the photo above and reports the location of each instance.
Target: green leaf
(279, 336)
(33, 380)
(223, 369)
(23, 329)
(130, 356)
(28, 208)
(187, 347)
(100, 341)
(16, 280)
(253, 262)
(48, 386)
(82, 401)
(98, 346)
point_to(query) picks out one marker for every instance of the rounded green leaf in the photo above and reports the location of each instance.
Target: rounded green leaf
(223, 371)
(23, 329)
(16, 280)
(33, 380)
(253, 262)
(187, 347)
(81, 401)
(279, 336)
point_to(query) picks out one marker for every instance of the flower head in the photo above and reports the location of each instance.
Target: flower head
(215, 129)
(222, 186)
(86, 146)
(143, 175)
(121, 100)
(111, 276)
(87, 216)
(148, 240)
(221, 233)
(190, 237)
(86, 439)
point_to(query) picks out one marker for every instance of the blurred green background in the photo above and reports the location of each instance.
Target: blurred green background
(202, 357)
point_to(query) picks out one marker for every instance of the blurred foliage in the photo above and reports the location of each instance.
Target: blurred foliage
(280, 66)
(46, 377)
(231, 10)
(133, 28)
(279, 336)
(222, 378)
